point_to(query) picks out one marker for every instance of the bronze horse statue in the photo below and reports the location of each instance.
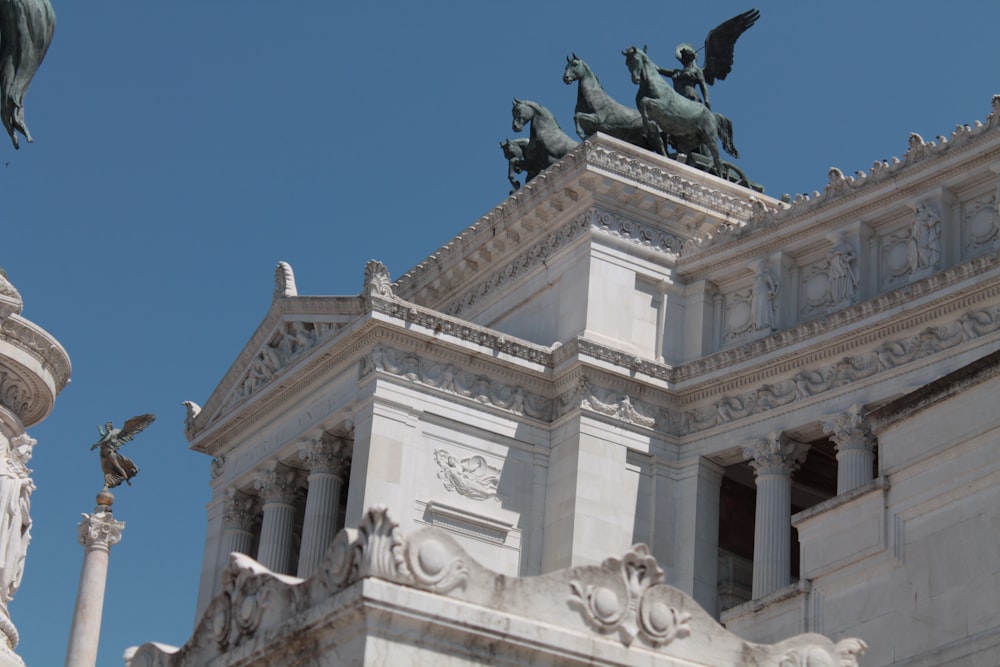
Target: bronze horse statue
(596, 111)
(689, 124)
(546, 141)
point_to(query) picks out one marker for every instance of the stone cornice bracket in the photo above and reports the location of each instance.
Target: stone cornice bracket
(848, 430)
(278, 484)
(100, 531)
(284, 281)
(775, 455)
(240, 511)
(327, 455)
(377, 283)
(629, 603)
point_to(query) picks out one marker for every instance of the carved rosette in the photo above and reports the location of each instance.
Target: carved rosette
(775, 455)
(631, 603)
(100, 531)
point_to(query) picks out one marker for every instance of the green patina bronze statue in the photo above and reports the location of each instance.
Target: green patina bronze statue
(546, 141)
(690, 80)
(116, 467)
(26, 28)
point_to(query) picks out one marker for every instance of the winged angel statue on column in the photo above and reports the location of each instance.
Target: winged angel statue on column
(116, 467)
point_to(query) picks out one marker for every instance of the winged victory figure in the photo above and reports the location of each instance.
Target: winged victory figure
(690, 80)
(116, 467)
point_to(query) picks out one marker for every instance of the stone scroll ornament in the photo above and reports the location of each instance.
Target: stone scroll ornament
(116, 467)
(26, 28)
(628, 601)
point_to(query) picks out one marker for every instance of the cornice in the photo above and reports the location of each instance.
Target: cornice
(847, 198)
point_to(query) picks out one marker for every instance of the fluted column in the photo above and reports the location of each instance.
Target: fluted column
(278, 486)
(327, 460)
(238, 519)
(97, 533)
(855, 448)
(773, 459)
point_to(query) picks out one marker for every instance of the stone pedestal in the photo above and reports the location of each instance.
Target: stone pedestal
(97, 533)
(327, 461)
(773, 459)
(855, 448)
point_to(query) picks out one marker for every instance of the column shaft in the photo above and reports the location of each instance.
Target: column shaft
(772, 534)
(320, 523)
(97, 533)
(275, 550)
(854, 467)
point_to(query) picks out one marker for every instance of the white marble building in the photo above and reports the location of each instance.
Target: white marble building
(34, 368)
(792, 404)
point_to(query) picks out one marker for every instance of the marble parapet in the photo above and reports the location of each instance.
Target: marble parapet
(380, 597)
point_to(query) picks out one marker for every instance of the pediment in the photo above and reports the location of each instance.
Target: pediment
(294, 328)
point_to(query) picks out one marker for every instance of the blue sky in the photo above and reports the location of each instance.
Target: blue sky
(183, 148)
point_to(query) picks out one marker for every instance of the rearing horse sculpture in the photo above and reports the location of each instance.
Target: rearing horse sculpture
(596, 111)
(689, 124)
(546, 142)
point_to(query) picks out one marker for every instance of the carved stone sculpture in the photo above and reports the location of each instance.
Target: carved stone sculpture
(925, 240)
(762, 298)
(15, 521)
(843, 278)
(471, 477)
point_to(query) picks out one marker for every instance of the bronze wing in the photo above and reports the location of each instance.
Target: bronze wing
(720, 43)
(134, 426)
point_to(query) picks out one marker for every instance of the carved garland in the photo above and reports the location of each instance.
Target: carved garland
(448, 378)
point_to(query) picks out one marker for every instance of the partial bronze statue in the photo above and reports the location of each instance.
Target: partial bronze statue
(26, 28)
(546, 141)
(690, 125)
(513, 150)
(690, 80)
(596, 111)
(116, 467)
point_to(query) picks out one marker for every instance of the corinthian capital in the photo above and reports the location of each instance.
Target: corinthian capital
(775, 454)
(240, 510)
(327, 454)
(100, 530)
(848, 430)
(278, 484)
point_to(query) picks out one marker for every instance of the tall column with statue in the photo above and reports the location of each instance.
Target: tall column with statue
(98, 532)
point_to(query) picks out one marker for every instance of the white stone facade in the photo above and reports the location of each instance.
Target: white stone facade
(34, 368)
(628, 351)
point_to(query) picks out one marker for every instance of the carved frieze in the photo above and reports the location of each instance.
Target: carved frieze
(294, 340)
(622, 407)
(448, 378)
(812, 381)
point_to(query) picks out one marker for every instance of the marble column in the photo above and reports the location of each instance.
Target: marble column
(773, 460)
(328, 460)
(238, 523)
(855, 448)
(279, 487)
(97, 533)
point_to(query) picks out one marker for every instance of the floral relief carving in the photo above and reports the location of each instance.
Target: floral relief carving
(627, 601)
(812, 381)
(447, 377)
(981, 224)
(377, 281)
(471, 477)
